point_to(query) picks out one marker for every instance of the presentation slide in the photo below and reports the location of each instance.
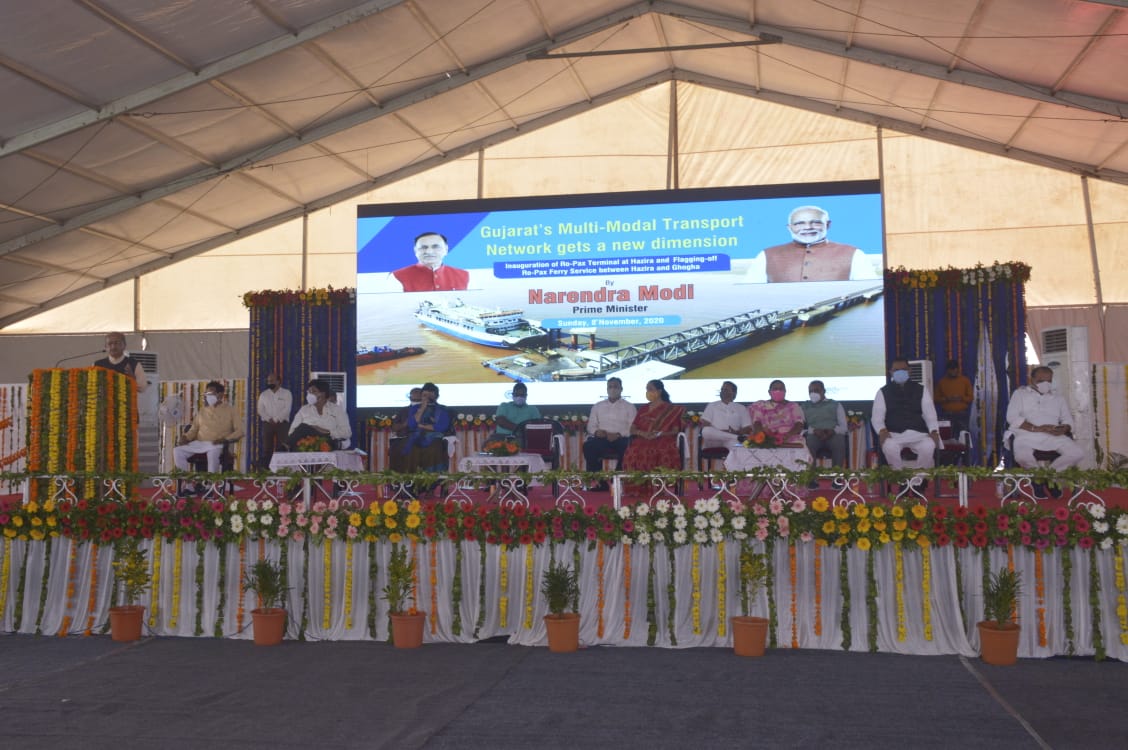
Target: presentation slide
(693, 287)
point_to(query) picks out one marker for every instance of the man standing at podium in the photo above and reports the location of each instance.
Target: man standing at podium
(119, 361)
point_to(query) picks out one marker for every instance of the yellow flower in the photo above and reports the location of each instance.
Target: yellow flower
(390, 508)
(840, 512)
(841, 541)
(864, 525)
(864, 543)
(829, 527)
(919, 511)
(878, 511)
(394, 538)
(897, 511)
(48, 506)
(413, 506)
(389, 522)
(37, 534)
(371, 520)
(37, 521)
(923, 541)
(898, 536)
(843, 528)
(374, 506)
(17, 521)
(900, 524)
(911, 534)
(879, 525)
(10, 533)
(861, 510)
(820, 504)
(354, 519)
(412, 521)
(883, 538)
(32, 507)
(52, 521)
(369, 537)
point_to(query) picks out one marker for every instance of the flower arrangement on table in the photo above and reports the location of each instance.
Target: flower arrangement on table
(314, 444)
(762, 439)
(691, 417)
(501, 448)
(381, 422)
(472, 422)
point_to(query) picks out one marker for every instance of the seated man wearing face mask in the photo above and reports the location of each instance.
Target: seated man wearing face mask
(215, 424)
(905, 417)
(826, 424)
(512, 414)
(1040, 420)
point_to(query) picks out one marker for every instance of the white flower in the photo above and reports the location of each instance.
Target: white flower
(662, 505)
(219, 522)
(658, 537)
(643, 538)
(267, 505)
(679, 537)
(699, 505)
(265, 520)
(679, 510)
(1101, 527)
(1122, 525)
(700, 536)
(625, 511)
(234, 507)
(626, 540)
(252, 505)
(1106, 543)
(738, 535)
(1096, 510)
(661, 522)
(236, 524)
(717, 521)
(642, 509)
(680, 522)
(462, 416)
(738, 522)
(700, 522)
(716, 535)
(251, 518)
(482, 417)
(713, 504)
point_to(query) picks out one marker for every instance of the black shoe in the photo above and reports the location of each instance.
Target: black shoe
(1039, 491)
(813, 484)
(1055, 491)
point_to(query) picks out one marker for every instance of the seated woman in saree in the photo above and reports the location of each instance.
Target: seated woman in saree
(654, 433)
(422, 447)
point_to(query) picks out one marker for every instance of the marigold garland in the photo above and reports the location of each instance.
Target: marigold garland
(481, 589)
(199, 629)
(43, 587)
(221, 585)
(433, 549)
(1010, 567)
(1067, 601)
(871, 602)
(844, 586)
(72, 568)
(599, 594)
(651, 603)
(1094, 607)
(899, 590)
(456, 592)
(177, 566)
(626, 592)
(671, 597)
(793, 570)
(817, 553)
(926, 590)
(348, 585)
(529, 597)
(722, 575)
(373, 568)
(1121, 599)
(5, 578)
(1040, 594)
(154, 587)
(503, 584)
(93, 598)
(695, 595)
(415, 573)
(326, 584)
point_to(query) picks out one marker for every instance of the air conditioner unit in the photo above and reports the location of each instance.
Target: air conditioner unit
(920, 371)
(338, 381)
(1065, 350)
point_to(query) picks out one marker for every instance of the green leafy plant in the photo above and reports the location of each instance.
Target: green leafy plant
(560, 587)
(754, 575)
(266, 581)
(401, 579)
(1000, 594)
(131, 568)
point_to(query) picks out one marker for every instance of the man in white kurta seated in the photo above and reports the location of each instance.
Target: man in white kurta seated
(213, 426)
(905, 417)
(725, 421)
(608, 429)
(1041, 421)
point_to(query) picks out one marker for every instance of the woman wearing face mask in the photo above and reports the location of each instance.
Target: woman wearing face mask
(654, 432)
(319, 417)
(778, 417)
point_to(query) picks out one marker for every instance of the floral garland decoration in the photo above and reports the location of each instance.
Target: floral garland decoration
(1121, 600)
(434, 579)
(1094, 607)
(844, 586)
(1010, 567)
(373, 568)
(671, 597)
(348, 585)
(899, 591)
(305, 599)
(6, 577)
(695, 595)
(481, 588)
(651, 603)
(456, 592)
(926, 590)
(315, 297)
(199, 629)
(773, 619)
(959, 587)
(17, 616)
(871, 603)
(177, 568)
(242, 576)
(414, 570)
(599, 594)
(817, 555)
(576, 566)
(957, 278)
(503, 586)
(1040, 596)
(793, 568)
(626, 591)
(155, 583)
(529, 597)
(43, 588)
(72, 567)
(326, 583)
(722, 594)
(92, 602)
(221, 584)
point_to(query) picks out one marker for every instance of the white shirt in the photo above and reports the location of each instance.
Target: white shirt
(927, 410)
(1027, 405)
(332, 418)
(731, 417)
(275, 406)
(617, 416)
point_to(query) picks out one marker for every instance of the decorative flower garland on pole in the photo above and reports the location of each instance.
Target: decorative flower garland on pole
(1067, 601)
(92, 602)
(1040, 594)
(529, 595)
(456, 592)
(348, 585)
(326, 583)
(816, 553)
(844, 585)
(695, 595)
(899, 590)
(722, 594)
(503, 584)
(599, 589)
(626, 591)
(792, 565)
(434, 580)
(72, 571)
(926, 590)
(6, 577)
(1094, 607)
(1121, 599)
(177, 567)
(671, 597)
(155, 585)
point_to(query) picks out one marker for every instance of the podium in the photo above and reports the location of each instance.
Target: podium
(80, 421)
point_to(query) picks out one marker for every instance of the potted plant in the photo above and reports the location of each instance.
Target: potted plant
(750, 634)
(266, 581)
(131, 570)
(998, 632)
(560, 588)
(407, 622)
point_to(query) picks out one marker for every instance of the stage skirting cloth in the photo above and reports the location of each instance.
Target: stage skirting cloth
(334, 593)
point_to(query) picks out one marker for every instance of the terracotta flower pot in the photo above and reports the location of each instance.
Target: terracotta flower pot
(563, 632)
(269, 626)
(997, 645)
(125, 622)
(407, 630)
(749, 635)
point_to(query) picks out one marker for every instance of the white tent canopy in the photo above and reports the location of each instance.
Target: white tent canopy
(155, 157)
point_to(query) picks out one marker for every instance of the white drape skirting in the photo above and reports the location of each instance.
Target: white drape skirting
(198, 593)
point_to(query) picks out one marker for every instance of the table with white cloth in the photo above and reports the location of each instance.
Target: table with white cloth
(310, 463)
(789, 458)
(508, 487)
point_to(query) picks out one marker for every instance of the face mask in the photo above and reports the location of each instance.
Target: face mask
(311, 398)
(900, 376)
(815, 397)
(519, 400)
(272, 386)
(777, 395)
(1044, 387)
(212, 399)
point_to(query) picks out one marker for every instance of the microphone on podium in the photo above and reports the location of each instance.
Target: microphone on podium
(80, 356)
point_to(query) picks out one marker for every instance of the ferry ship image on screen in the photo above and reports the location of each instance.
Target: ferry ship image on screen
(505, 329)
